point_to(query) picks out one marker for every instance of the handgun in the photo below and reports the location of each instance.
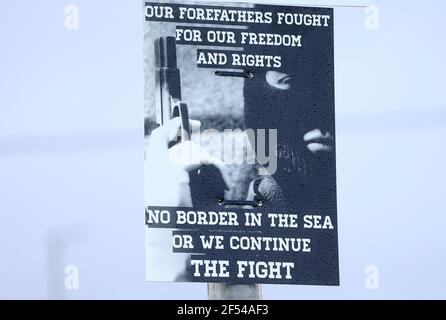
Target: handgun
(207, 184)
(168, 87)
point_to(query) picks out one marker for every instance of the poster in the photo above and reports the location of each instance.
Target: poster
(240, 166)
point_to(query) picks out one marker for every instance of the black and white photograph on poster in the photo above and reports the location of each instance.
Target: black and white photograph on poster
(240, 166)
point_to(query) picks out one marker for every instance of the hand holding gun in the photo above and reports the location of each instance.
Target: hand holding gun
(189, 181)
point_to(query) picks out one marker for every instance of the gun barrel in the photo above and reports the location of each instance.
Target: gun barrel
(167, 53)
(168, 82)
